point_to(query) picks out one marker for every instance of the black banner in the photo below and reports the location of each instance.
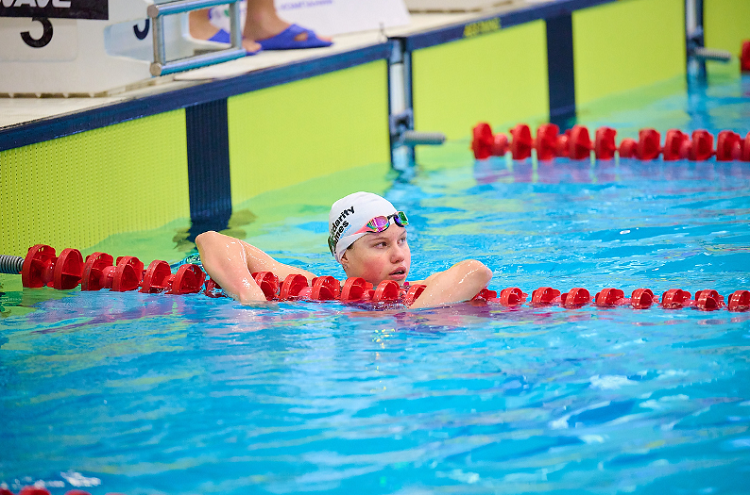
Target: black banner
(56, 9)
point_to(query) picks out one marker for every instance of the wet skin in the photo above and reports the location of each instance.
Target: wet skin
(374, 257)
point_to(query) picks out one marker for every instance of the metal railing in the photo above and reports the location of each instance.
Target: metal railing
(161, 66)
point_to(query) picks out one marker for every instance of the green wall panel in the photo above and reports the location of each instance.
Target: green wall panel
(498, 77)
(627, 44)
(287, 134)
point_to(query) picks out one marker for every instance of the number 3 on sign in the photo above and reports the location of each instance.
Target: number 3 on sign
(44, 39)
(38, 39)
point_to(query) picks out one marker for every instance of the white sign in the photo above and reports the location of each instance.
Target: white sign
(25, 40)
(332, 17)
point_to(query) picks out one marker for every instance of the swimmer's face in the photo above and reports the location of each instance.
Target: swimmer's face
(378, 257)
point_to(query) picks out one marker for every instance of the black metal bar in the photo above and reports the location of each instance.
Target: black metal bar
(561, 70)
(209, 183)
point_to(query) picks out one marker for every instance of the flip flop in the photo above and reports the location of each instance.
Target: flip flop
(222, 36)
(285, 40)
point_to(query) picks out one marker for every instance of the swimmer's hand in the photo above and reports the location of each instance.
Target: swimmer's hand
(249, 294)
(458, 283)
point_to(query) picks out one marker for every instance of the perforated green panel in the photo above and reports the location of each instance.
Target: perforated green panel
(77, 190)
(287, 134)
(497, 77)
(624, 45)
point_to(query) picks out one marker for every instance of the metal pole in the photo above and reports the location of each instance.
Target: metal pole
(236, 23)
(161, 67)
(158, 35)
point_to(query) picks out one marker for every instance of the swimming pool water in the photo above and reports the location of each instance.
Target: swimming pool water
(147, 394)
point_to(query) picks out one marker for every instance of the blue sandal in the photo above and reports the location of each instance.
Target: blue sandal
(285, 40)
(222, 36)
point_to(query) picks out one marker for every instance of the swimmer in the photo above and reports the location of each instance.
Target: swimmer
(367, 237)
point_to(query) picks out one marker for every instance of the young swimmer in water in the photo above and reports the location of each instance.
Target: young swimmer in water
(367, 237)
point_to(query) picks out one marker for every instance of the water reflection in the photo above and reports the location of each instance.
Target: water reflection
(563, 170)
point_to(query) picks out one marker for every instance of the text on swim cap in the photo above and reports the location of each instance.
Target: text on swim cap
(340, 225)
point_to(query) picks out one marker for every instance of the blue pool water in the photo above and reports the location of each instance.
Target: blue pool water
(144, 394)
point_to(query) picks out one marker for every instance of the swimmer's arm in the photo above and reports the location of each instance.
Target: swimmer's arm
(230, 262)
(460, 282)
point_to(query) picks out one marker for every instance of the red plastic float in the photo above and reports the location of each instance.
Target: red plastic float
(642, 299)
(745, 56)
(728, 146)
(675, 299)
(708, 300)
(482, 140)
(576, 298)
(68, 270)
(356, 289)
(649, 146)
(701, 146)
(609, 298)
(500, 144)
(579, 143)
(673, 145)
(485, 295)
(94, 271)
(522, 144)
(38, 266)
(604, 143)
(544, 296)
(627, 148)
(386, 291)
(189, 279)
(213, 289)
(156, 277)
(292, 287)
(325, 288)
(739, 301)
(127, 274)
(546, 142)
(512, 296)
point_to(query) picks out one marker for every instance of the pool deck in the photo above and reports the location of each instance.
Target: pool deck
(18, 111)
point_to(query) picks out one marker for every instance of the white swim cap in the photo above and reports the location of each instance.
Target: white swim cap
(350, 214)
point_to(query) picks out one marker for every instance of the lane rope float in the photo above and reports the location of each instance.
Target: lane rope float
(576, 144)
(42, 268)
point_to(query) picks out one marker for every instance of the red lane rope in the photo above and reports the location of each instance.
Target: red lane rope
(35, 490)
(42, 267)
(576, 144)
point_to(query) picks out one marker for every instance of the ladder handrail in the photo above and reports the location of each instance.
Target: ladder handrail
(161, 66)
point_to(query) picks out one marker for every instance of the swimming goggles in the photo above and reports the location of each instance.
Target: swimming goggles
(380, 224)
(375, 226)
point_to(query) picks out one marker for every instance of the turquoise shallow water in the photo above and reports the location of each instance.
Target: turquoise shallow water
(147, 394)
